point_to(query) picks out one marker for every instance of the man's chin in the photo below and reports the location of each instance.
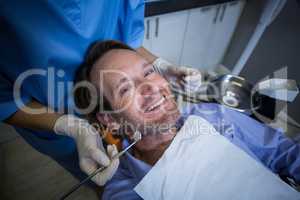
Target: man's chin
(163, 115)
(160, 119)
(155, 141)
(160, 125)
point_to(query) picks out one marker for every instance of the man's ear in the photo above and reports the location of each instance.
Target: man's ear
(108, 121)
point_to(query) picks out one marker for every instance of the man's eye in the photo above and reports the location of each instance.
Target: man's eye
(123, 91)
(149, 71)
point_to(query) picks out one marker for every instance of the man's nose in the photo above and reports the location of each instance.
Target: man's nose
(147, 89)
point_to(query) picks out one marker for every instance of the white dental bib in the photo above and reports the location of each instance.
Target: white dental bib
(200, 164)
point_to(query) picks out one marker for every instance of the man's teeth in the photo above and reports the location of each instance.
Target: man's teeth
(156, 104)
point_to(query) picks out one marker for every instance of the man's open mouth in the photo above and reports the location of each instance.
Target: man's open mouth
(156, 105)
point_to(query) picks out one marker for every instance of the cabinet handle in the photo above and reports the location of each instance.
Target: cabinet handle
(147, 29)
(156, 26)
(223, 12)
(217, 14)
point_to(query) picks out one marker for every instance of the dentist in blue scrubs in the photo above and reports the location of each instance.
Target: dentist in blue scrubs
(42, 44)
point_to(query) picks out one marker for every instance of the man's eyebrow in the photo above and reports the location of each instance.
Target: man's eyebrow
(121, 81)
(146, 64)
(124, 79)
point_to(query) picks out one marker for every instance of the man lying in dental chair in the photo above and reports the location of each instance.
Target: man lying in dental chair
(139, 97)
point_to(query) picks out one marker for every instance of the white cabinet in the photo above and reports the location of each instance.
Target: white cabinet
(197, 37)
(164, 35)
(222, 32)
(208, 35)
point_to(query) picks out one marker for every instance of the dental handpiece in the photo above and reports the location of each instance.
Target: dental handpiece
(136, 137)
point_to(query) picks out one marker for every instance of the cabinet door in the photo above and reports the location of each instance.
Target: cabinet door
(168, 36)
(222, 32)
(198, 36)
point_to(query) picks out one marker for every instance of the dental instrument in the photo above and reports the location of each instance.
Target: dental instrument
(136, 137)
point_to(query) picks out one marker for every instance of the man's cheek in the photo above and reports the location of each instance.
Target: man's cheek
(166, 86)
(130, 114)
(122, 104)
(137, 103)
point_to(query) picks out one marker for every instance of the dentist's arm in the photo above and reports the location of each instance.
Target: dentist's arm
(34, 121)
(89, 143)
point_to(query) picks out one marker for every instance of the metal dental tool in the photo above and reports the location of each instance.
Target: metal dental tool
(136, 137)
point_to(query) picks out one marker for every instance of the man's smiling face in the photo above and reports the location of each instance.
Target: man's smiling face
(137, 94)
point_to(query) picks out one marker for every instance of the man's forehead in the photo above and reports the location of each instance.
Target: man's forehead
(117, 67)
(117, 58)
(123, 70)
(112, 60)
(107, 78)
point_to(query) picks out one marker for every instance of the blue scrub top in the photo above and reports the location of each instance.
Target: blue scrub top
(53, 36)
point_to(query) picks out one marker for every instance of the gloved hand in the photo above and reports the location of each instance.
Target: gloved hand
(178, 76)
(89, 145)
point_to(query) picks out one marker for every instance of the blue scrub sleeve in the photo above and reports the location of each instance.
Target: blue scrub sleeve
(275, 150)
(132, 23)
(8, 105)
(120, 187)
